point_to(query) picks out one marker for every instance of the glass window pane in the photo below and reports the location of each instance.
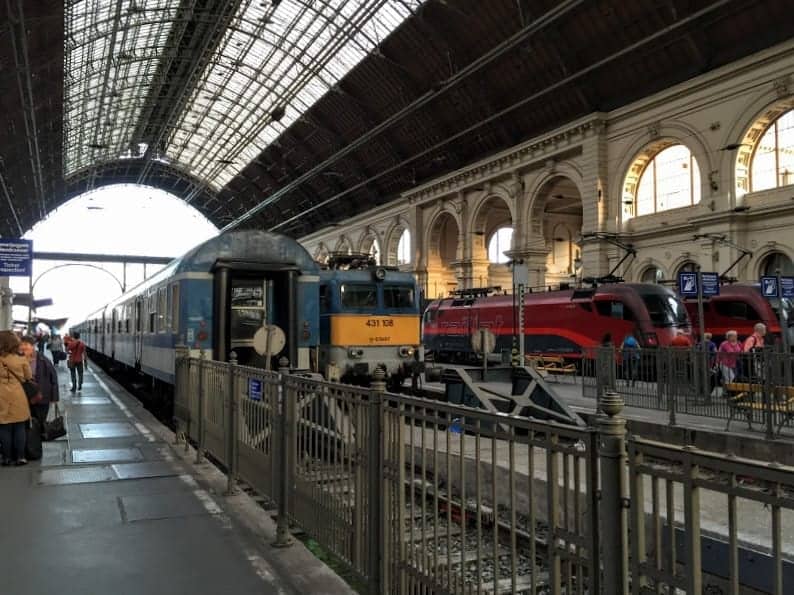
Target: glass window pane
(398, 296)
(763, 168)
(359, 296)
(245, 322)
(404, 248)
(671, 180)
(500, 243)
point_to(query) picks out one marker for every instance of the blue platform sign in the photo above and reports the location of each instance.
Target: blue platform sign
(711, 284)
(254, 389)
(769, 287)
(787, 287)
(688, 284)
(16, 258)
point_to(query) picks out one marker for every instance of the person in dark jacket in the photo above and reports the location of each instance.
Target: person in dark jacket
(44, 375)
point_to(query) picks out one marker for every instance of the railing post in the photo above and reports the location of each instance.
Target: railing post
(181, 427)
(283, 537)
(375, 491)
(233, 427)
(766, 369)
(612, 509)
(201, 399)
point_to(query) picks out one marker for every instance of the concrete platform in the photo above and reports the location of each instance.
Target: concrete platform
(114, 508)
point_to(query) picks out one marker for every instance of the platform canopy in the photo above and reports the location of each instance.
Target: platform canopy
(290, 114)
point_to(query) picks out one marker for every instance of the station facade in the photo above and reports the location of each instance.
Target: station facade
(690, 176)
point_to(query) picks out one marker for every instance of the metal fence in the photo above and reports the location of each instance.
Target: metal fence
(755, 388)
(420, 496)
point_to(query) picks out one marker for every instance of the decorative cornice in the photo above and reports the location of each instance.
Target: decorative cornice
(508, 161)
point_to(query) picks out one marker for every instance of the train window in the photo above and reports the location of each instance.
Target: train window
(398, 296)
(127, 325)
(245, 322)
(325, 299)
(665, 310)
(735, 309)
(614, 309)
(248, 294)
(162, 306)
(431, 314)
(173, 311)
(359, 296)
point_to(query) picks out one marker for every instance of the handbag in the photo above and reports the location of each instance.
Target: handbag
(30, 388)
(33, 448)
(56, 428)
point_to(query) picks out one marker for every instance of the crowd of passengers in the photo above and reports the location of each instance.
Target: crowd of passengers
(29, 387)
(730, 361)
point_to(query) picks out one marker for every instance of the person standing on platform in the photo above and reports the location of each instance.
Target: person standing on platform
(44, 375)
(56, 350)
(76, 361)
(755, 342)
(14, 409)
(728, 357)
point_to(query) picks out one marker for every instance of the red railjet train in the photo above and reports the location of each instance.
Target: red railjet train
(739, 307)
(561, 323)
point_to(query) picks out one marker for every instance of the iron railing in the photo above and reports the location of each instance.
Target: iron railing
(421, 496)
(756, 388)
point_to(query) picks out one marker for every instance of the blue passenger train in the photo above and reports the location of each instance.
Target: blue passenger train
(215, 298)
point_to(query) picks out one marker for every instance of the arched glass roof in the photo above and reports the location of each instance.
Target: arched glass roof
(272, 62)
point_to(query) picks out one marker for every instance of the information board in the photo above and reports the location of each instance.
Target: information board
(769, 287)
(688, 284)
(787, 287)
(16, 258)
(711, 284)
(254, 389)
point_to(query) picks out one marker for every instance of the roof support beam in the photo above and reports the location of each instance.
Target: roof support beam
(196, 38)
(7, 195)
(16, 20)
(452, 81)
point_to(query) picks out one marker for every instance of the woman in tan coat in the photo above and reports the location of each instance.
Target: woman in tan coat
(14, 409)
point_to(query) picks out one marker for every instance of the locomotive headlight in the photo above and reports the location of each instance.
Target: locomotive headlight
(406, 351)
(355, 353)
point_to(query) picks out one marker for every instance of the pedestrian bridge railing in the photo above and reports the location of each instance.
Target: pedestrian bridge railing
(416, 495)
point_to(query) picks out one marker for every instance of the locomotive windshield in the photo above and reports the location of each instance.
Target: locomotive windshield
(359, 296)
(665, 310)
(398, 296)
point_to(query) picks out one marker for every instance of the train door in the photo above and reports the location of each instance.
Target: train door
(138, 340)
(247, 300)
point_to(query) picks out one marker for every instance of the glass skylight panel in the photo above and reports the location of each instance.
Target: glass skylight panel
(113, 49)
(271, 60)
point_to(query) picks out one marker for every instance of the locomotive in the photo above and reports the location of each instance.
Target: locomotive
(561, 323)
(369, 316)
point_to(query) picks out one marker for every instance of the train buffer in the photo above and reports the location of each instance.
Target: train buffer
(116, 507)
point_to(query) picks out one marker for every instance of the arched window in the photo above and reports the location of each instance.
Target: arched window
(652, 275)
(404, 248)
(670, 180)
(499, 243)
(374, 250)
(687, 267)
(777, 261)
(773, 159)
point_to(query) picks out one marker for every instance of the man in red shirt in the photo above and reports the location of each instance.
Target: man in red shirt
(76, 350)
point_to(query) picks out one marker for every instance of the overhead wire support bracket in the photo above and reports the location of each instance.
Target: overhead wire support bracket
(723, 240)
(615, 240)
